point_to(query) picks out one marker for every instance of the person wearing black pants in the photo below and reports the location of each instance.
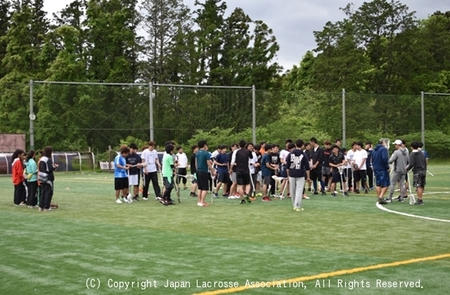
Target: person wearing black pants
(151, 167)
(18, 178)
(32, 185)
(46, 178)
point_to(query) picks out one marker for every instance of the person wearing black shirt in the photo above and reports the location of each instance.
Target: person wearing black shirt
(194, 150)
(240, 159)
(337, 164)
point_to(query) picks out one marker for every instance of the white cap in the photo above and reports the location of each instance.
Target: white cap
(398, 142)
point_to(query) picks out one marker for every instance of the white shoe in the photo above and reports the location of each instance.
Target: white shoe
(118, 201)
(200, 204)
(145, 199)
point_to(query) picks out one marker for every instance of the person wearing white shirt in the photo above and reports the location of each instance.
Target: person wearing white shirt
(359, 167)
(151, 167)
(182, 166)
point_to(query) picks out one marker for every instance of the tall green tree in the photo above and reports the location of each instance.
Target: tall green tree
(5, 18)
(301, 77)
(21, 62)
(166, 24)
(210, 21)
(234, 58)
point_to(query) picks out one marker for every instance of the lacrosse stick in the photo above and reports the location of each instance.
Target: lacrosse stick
(177, 189)
(278, 178)
(253, 187)
(130, 186)
(213, 186)
(129, 197)
(430, 173)
(412, 199)
(341, 172)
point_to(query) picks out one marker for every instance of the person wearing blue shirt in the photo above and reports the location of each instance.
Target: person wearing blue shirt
(120, 175)
(380, 164)
(31, 170)
(266, 170)
(221, 161)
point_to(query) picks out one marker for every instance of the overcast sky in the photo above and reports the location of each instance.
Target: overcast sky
(293, 21)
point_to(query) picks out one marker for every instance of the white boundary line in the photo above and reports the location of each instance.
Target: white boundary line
(410, 215)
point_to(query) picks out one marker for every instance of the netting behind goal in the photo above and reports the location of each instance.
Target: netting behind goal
(181, 111)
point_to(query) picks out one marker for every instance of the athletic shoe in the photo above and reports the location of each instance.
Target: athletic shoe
(309, 189)
(247, 199)
(389, 200)
(242, 202)
(216, 195)
(170, 202)
(419, 202)
(225, 195)
(194, 195)
(400, 199)
(316, 193)
(145, 199)
(366, 191)
(324, 193)
(356, 191)
(305, 197)
(381, 201)
(333, 194)
(345, 194)
(266, 199)
(162, 201)
(122, 199)
(118, 201)
(199, 204)
(136, 198)
(298, 209)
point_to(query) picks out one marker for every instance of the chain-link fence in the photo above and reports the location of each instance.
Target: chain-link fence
(75, 116)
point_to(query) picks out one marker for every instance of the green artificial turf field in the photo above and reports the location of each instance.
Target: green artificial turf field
(91, 245)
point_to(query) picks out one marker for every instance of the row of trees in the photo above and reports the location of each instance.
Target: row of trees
(379, 49)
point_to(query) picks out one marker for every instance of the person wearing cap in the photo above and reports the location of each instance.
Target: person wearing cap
(380, 163)
(400, 159)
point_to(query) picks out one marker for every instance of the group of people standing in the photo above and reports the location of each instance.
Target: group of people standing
(33, 182)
